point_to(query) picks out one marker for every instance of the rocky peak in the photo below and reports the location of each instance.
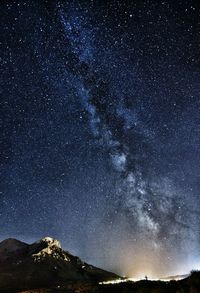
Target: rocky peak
(49, 247)
(50, 242)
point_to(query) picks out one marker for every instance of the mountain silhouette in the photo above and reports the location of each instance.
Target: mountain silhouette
(43, 264)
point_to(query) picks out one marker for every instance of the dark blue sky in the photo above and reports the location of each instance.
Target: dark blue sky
(100, 130)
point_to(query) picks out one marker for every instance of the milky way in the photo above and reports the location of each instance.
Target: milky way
(101, 131)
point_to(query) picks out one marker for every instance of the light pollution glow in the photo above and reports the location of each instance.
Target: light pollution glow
(136, 262)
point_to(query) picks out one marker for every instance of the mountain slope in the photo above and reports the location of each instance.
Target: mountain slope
(43, 264)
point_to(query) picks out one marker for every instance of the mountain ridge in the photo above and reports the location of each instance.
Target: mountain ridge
(43, 263)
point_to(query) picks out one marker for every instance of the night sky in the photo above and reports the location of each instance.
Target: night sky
(100, 130)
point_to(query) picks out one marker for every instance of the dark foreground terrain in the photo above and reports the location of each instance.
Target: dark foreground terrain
(188, 285)
(44, 267)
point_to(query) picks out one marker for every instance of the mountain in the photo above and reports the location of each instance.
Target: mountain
(43, 264)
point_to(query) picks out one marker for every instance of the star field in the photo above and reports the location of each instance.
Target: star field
(100, 130)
